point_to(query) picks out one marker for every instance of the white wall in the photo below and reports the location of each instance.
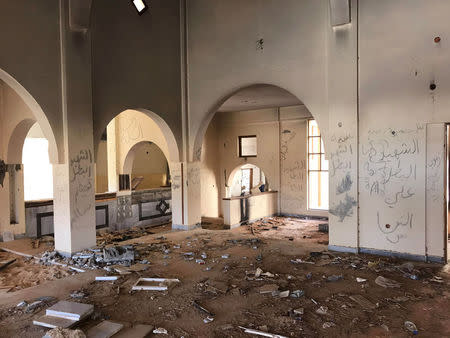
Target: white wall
(211, 173)
(223, 55)
(398, 61)
(150, 163)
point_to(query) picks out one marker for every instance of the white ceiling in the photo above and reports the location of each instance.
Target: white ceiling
(259, 97)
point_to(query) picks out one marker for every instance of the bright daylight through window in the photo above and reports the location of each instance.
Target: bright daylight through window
(317, 169)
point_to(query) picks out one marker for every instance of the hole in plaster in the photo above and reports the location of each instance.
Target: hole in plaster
(437, 39)
(340, 124)
(388, 226)
(432, 86)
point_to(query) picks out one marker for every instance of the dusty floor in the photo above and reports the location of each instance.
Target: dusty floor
(228, 288)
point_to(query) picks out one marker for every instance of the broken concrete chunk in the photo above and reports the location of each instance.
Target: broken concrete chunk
(53, 322)
(299, 311)
(386, 283)
(70, 310)
(137, 331)
(268, 288)
(64, 333)
(258, 272)
(323, 310)
(118, 254)
(160, 330)
(105, 329)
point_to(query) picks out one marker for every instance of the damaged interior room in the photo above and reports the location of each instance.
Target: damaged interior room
(224, 168)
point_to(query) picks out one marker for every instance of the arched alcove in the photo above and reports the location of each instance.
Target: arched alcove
(277, 123)
(237, 180)
(147, 166)
(218, 103)
(55, 151)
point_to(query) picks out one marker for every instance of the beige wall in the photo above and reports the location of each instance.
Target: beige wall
(150, 163)
(136, 61)
(33, 60)
(128, 137)
(224, 57)
(281, 156)
(210, 173)
(16, 119)
(101, 168)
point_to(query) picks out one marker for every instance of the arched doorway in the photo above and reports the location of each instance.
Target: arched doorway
(267, 127)
(38, 175)
(133, 162)
(22, 119)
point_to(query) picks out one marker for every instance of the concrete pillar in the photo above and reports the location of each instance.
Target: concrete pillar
(342, 141)
(186, 195)
(74, 181)
(113, 173)
(12, 211)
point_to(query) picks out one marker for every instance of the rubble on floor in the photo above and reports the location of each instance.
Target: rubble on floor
(270, 287)
(64, 333)
(112, 237)
(292, 228)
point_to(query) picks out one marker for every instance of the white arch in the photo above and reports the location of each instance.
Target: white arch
(129, 158)
(38, 113)
(174, 153)
(17, 140)
(196, 147)
(170, 148)
(235, 170)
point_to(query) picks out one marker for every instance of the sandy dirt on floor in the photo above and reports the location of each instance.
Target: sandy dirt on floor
(228, 288)
(24, 273)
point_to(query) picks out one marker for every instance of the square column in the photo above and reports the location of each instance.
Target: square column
(186, 195)
(74, 180)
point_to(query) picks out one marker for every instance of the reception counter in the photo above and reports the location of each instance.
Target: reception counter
(249, 208)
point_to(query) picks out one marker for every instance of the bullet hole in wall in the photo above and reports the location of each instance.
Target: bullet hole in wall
(340, 124)
(393, 132)
(437, 39)
(432, 86)
(260, 44)
(387, 226)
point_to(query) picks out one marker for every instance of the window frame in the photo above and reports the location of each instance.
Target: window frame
(240, 145)
(321, 155)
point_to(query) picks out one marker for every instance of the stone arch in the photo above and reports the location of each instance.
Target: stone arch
(17, 140)
(127, 166)
(40, 117)
(196, 146)
(235, 170)
(170, 148)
